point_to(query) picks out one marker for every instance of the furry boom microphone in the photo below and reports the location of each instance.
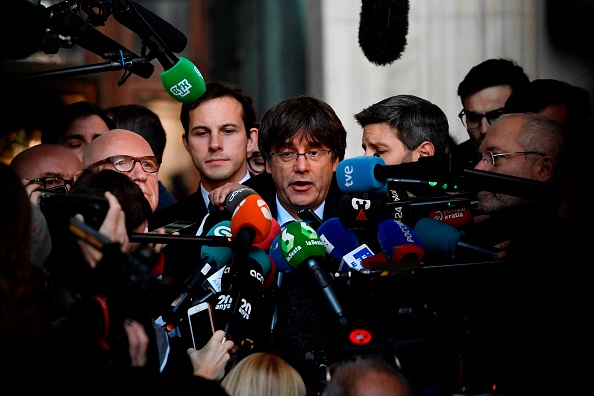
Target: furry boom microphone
(382, 30)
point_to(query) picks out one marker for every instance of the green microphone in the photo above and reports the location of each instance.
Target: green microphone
(183, 81)
(304, 251)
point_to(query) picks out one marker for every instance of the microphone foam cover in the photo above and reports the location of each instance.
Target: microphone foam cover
(274, 232)
(277, 256)
(356, 175)
(437, 236)
(459, 217)
(338, 240)
(183, 81)
(298, 242)
(383, 26)
(234, 198)
(261, 258)
(223, 254)
(253, 212)
(356, 213)
(397, 241)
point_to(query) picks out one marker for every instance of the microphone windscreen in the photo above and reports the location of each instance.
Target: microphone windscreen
(274, 232)
(234, 198)
(300, 242)
(277, 256)
(437, 236)
(398, 241)
(383, 27)
(356, 175)
(253, 213)
(261, 258)
(458, 217)
(338, 240)
(183, 81)
(221, 254)
(360, 214)
(271, 277)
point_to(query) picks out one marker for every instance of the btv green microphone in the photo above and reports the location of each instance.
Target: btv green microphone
(183, 81)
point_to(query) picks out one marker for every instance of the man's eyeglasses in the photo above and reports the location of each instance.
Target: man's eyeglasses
(125, 163)
(288, 158)
(489, 158)
(256, 162)
(52, 182)
(472, 120)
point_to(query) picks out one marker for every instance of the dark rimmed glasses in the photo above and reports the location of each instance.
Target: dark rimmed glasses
(53, 182)
(288, 158)
(472, 119)
(256, 162)
(125, 163)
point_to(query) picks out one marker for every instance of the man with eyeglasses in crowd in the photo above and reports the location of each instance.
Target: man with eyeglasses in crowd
(483, 93)
(543, 254)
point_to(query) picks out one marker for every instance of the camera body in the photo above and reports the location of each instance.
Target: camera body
(58, 208)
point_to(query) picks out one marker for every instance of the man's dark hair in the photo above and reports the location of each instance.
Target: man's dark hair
(216, 90)
(415, 120)
(143, 121)
(66, 115)
(305, 116)
(491, 73)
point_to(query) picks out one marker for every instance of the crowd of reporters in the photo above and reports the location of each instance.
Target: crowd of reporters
(446, 267)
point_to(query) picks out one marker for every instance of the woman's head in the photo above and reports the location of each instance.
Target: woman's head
(263, 374)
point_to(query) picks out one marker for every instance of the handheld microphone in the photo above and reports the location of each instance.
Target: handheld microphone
(238, 308)
(277, 256)
(212, 260)
(442, 238)
(398, 242)
(304, 251)
(251, 221)
(342, 245)
(181, 79)
(383, 27)
(274, 232)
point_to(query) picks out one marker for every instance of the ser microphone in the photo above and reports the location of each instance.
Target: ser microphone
(304, 251)
(181, 79)
(442, 238)
(383, 26)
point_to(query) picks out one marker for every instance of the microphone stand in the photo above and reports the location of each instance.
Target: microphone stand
(126, 63)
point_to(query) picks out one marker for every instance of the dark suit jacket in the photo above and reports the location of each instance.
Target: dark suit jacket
(191, 208)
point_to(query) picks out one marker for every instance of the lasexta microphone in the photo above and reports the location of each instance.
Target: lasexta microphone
(398, 242)
(305, 252)
(383, 27)
(442, 238)
(181, 79)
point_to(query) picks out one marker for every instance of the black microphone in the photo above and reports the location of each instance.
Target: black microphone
(382, 30)
(174, 39)
(181, 79)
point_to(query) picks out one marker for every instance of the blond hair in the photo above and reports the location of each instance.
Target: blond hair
(263, 374)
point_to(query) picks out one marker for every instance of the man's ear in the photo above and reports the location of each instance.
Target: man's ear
(425, 149)
(545, 170)
(185, 142)
(252, 142)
